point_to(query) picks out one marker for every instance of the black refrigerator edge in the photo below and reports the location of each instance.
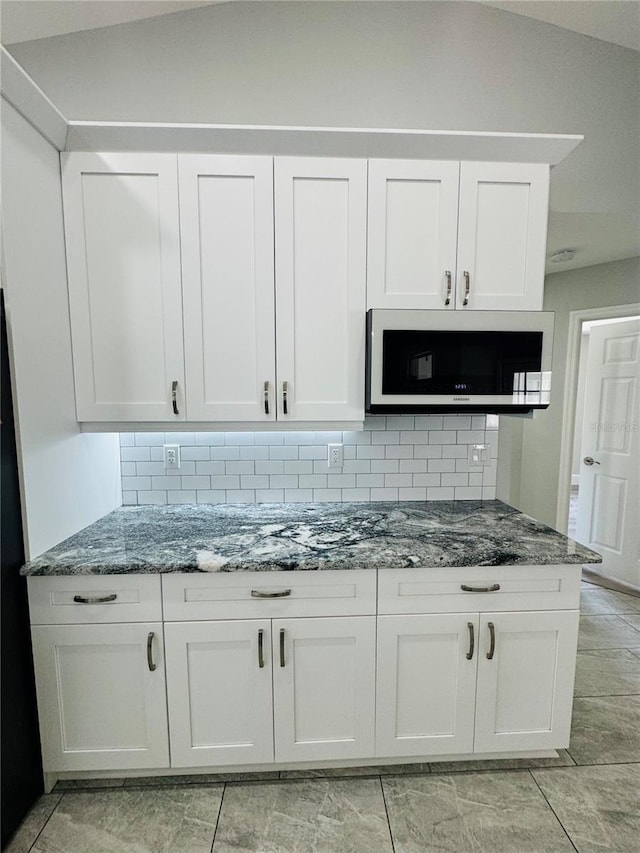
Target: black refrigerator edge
(21, 773)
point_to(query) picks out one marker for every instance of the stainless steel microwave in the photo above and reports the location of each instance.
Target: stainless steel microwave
(477, 361)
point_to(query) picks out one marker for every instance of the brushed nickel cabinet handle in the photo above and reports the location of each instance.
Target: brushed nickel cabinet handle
(467, 287)
(285, 390)
(471, 641)
(447, 275)
(94, 599)
(493, 588)
(258, 593)
(266, 398)
(261, 648)
(492, 646)
(150, 663)
(174, 396)
(282, 660)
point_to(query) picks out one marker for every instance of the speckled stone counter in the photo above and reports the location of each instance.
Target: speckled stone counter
(308, 537)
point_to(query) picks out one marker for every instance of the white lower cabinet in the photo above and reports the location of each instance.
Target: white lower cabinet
(219, 692)
(101, 696)
(284, 668)
(461, 683)
(233, 685)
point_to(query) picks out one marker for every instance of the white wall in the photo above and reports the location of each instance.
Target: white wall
(68, 479)
(449, 65)
(528, 479)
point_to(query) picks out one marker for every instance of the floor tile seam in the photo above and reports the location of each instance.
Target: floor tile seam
(606, 695)
(553, 811)
(591, 764)
(44, 825)
(386, 811)
(215, 830)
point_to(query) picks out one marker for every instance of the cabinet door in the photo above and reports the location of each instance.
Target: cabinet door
(226, 223)
(426, 684)
(324, 688)
(502, 236)
(121, 226)
(525, 690)
(320, 215)
(101, 706)
(412, 233)
(219, 692)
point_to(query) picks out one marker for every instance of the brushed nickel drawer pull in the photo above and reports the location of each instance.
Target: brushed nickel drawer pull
(493, 588)
(266, 397)
(471, 641)
(174, 397)
(150, 663)
(94, 599)
(492, 635)
(282, 660)
(447, 275)
(258, 593)
(261, 648)
(285, 391)
(467, 288)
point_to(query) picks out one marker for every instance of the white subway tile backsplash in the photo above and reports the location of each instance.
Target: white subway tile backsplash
(386, 494)
(395, 457)
(288, 452)
(298, 496)
(245, 467)
(150, 469)
(181, 496)
(152, 496)
(195, 454)
(209, 438)
(254, 481)
(217, 467)
(269, 496)
(211, 496)
(441, 465)
(412, 494)
(228, 454)
(135, 454)
(196, 482)
(253, 452)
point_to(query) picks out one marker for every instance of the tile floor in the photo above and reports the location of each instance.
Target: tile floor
(586, 800)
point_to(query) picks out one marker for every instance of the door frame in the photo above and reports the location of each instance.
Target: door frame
(574, 335)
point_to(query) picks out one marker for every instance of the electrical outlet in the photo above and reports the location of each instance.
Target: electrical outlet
(335, 455)
(478, 454)
(171, 456)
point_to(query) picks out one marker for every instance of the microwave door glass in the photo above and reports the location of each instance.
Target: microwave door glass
(425, 363)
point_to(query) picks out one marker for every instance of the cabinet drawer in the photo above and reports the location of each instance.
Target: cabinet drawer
(247, 595)
(76, 599)
(441, 590)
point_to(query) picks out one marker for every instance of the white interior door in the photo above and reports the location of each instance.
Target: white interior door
(609, 495)
(226, 221)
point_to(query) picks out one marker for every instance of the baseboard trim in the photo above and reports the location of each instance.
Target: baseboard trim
(592, 576)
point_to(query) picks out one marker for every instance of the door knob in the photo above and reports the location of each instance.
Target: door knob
(589, 460)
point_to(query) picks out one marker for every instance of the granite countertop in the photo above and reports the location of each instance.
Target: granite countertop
(276, 537)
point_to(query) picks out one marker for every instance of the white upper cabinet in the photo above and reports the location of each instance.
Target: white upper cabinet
(226, 226)
(320, 219)
(413, 221)
(502, 236)
(438, 243)
(121, 223)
